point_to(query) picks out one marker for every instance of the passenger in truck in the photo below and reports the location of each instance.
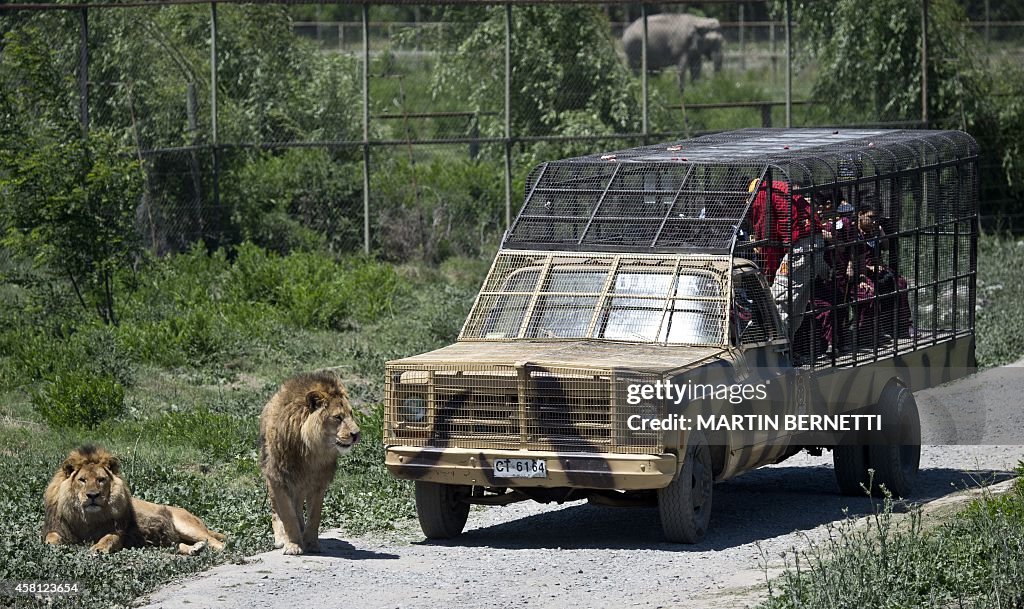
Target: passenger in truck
(830, 324)
(792, 258)
(880, 292)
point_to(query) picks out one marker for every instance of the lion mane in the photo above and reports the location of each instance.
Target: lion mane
(303, 429)
(87, 501)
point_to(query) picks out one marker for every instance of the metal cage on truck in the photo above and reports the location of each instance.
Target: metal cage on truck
(837, 268)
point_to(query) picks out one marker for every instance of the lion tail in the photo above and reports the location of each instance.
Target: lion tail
(218, 536)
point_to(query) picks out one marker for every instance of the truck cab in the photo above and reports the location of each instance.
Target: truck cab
(627, 346)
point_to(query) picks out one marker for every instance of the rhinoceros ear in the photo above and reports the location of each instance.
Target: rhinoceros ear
(315, 399)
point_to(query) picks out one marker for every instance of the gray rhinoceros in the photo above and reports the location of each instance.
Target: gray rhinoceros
(679, 40)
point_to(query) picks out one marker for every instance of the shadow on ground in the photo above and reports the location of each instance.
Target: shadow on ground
(759, 505)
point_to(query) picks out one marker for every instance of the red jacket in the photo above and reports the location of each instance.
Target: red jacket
(772, 222)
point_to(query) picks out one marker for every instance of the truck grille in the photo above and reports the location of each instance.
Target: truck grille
(515, 407)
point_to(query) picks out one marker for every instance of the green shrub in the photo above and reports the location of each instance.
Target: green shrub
(437, 208)
(313, 290)
(195, 337)
(78, 400)
(297, 200)
(972, 559)
(93, 349)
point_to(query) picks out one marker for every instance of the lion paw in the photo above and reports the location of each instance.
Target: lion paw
(312, 546)
(101, 548)
(292, 549)
(191, 550)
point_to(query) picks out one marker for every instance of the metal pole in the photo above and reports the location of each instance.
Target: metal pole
(508, 116)
(643, 73)
(789, 63)
(366, 128)
(83, 69)
(213, 125)
(213, 74)
(771, 53)
(924, 62)
(988, 21)
(743, 55)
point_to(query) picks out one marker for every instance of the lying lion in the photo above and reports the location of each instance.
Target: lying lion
(88, 502)
(303, 429)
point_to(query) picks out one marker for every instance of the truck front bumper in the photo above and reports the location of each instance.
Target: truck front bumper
(573, 470)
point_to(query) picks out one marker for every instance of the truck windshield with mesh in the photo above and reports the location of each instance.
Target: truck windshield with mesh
(650, 300)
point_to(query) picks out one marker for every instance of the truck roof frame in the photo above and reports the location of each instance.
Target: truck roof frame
(694, 195)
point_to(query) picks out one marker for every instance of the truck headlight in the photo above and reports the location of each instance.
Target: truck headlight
(413, 409)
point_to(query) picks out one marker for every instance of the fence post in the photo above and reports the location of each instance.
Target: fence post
(83, 69)
(192, 110)
(988, 23)
(789, 63)
(743, 55)
(643, 72)
(508, 115)
(366, 128)
(924, 62)
(214, 139)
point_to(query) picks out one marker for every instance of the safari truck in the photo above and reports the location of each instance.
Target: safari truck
(661, 318)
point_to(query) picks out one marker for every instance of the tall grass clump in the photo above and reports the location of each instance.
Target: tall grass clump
(974, 559)
(78, 400)
(999, 322)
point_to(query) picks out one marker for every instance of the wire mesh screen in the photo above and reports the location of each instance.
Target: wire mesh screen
(850, 213)
(611, 204)
(516, 407)
(655, 299)
(895, 234)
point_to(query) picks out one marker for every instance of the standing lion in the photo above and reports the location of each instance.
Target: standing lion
(303, 429)
(88, 502)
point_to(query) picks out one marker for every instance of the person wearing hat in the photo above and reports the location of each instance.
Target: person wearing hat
(788, 259)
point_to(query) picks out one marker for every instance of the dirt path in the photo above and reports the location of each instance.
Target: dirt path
(579, 556)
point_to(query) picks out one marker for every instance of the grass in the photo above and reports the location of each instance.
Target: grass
(974, 559)
(204, 341)
(1000, 317)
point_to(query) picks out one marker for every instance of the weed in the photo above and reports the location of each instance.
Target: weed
(974, 559)
(78, 400)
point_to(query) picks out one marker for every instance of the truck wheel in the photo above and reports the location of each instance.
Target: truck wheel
(442, 509)
(897, 461)
(851, 467)
(685, 504)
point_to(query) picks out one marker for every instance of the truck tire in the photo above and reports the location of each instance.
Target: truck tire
(442, 509)
(685, 504)
(851, 468)
(897, 461)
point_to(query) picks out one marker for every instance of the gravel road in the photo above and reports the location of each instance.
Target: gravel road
(580, 556)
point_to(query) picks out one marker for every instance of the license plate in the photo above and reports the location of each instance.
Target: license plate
(520, 468)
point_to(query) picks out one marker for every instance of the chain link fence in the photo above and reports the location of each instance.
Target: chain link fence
(409, 130)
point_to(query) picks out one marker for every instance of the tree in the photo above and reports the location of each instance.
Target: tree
(868, 57)
(567, 78)
(67, 199)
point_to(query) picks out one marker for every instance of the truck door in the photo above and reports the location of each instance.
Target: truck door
(762, 364)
